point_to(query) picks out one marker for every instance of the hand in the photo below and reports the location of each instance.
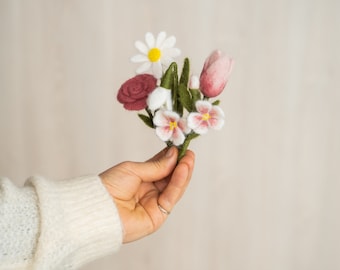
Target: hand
(138, 188)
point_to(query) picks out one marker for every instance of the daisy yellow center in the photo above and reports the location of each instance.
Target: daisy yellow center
(206, 117)
(173, 125)
(154, 54)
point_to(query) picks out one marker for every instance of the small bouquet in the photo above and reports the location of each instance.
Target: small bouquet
(177, 106)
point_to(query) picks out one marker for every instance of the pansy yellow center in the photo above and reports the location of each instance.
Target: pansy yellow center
(173, 125)
(206, 117)
(154, 54)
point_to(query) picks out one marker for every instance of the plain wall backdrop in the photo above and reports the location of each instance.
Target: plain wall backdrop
(265, 191)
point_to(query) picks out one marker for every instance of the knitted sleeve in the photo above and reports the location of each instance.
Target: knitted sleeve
(56, 224)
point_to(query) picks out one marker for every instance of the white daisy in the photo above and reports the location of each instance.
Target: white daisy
(155, 53)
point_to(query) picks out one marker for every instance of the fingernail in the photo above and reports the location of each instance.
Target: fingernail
(170, 152)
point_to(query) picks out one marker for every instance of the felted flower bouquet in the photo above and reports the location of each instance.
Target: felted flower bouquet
(177, 106)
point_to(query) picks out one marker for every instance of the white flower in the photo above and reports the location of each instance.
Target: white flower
(158, 98)
(207, 117)
(155, 53)
(170, 127)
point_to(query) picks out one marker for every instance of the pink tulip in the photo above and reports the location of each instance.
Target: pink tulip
(215, 74)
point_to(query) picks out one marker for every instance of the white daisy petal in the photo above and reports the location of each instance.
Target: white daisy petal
(150, 40)
(138, 58)
(172, 52)
(157, 69)
(143, 68)
(160, 39)
(169, 42)
(140, 46)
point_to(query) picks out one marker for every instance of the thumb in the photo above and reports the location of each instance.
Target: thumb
(158, 167)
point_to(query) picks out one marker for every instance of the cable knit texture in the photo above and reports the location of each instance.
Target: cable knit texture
(56, 224)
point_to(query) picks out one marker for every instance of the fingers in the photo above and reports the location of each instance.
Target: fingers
(156, 168)
(179, 181)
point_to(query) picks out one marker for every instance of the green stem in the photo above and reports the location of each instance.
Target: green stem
(183, 148)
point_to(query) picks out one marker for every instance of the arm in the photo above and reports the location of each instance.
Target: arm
(53, 224)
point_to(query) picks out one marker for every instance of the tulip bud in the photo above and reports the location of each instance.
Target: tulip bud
(215, 74)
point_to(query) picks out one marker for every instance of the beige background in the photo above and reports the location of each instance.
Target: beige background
(265, 192)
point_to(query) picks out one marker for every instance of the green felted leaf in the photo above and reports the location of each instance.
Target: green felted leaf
(146, 119)
(195, 95)
(185, 72)
(216, 102)
(176, 104)
(185, 97)
(167, 79)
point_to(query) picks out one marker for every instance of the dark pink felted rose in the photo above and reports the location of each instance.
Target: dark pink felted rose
(134, 92)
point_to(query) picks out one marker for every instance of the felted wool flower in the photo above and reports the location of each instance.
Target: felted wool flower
(134, 92)
(158, 98)
(156, 53)
(170, 127)
(207, 117)
(215, 74)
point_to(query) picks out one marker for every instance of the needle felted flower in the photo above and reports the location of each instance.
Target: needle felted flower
(158, 98)
(215, 73)
(156, 53)
(134, 92)
(207, 117)
(177, 104)
(170, 127)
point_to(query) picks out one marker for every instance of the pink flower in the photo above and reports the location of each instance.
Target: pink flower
(216, 71)
(207, 116)
(134, 92)
(170, 127)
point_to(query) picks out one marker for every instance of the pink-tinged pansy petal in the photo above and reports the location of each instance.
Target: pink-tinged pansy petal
(216, 112)
(178, 137)
(216, 124)
(168, 127)
(183, 125)
(207, 117)
(203, 106)
(196, 123)
(164, 133)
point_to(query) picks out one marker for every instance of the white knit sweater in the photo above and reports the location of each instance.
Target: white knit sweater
(56, 224)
